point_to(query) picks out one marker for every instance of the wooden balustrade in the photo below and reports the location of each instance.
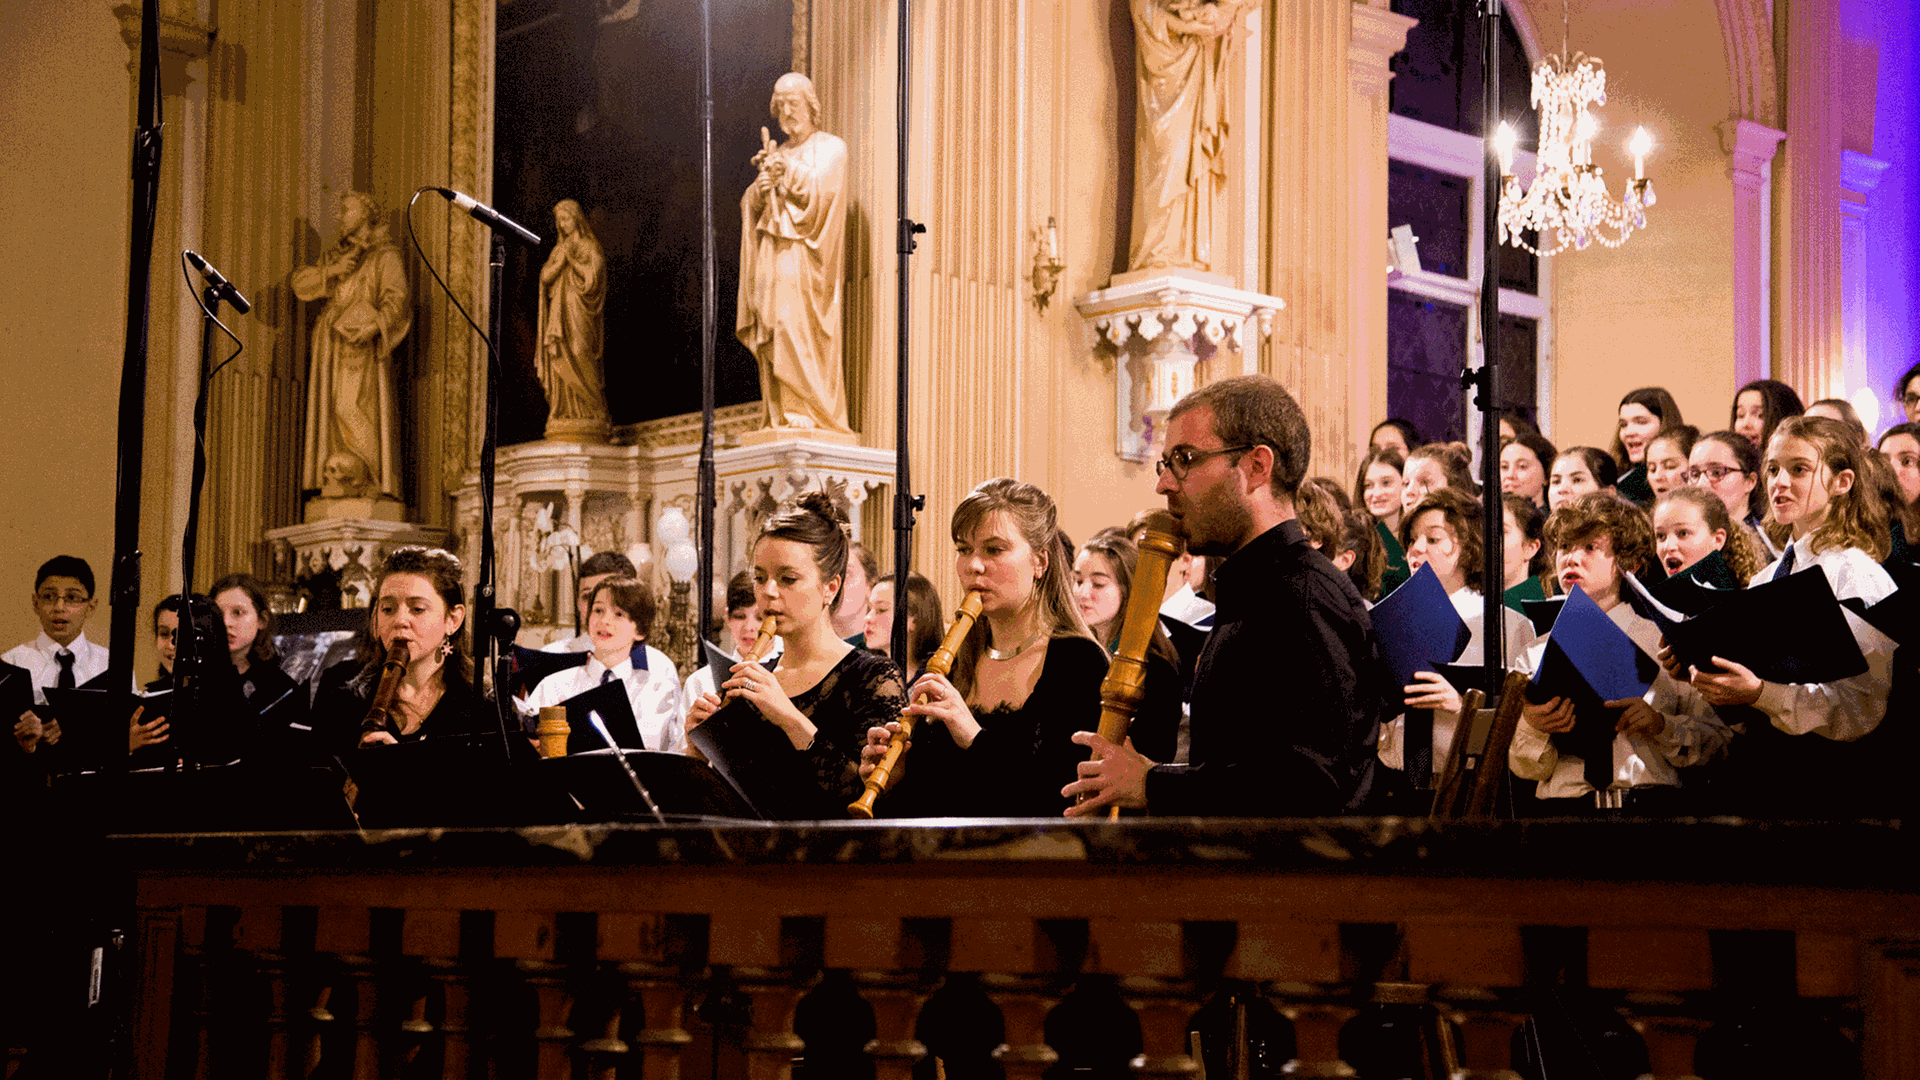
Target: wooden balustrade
(458, 965)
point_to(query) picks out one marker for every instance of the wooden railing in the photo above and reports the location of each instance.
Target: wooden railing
(1370, 948)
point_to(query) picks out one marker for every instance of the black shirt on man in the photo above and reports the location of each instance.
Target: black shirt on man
(1285, 694)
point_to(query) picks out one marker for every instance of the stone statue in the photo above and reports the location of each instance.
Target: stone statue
(573, 300)
(1180, 143)
(351, 405)
(792, 259)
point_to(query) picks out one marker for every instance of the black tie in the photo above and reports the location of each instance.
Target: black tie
(606, 677)
(1786, 565)
(65, 659)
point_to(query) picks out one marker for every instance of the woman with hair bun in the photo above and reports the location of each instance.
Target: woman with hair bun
(995, 736)
(823, 694)
(416, 600)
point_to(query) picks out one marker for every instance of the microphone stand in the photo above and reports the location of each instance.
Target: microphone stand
(496, 626)
(124, 583)
(620, 755)
(188, 664)
(905, 503)
(705, 483)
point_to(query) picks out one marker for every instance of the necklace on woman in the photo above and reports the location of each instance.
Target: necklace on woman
(996, 654)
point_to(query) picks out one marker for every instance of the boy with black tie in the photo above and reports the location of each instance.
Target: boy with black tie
(61, 656)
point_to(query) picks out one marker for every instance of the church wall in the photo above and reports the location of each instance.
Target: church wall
(64, 146)
(1884, 39)
(1659, 310)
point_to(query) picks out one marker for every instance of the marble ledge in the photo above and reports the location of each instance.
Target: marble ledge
(1863, 855)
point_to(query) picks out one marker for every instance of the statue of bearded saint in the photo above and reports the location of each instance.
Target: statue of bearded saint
(351, 399)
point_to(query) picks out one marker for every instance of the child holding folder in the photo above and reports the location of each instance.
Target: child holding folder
(1595, 539)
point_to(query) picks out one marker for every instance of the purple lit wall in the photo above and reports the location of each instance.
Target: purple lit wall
(1881, 43)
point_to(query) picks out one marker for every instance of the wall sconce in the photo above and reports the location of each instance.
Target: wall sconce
(1046, 263)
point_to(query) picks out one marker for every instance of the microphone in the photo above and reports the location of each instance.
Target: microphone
(221, 286)
(620, 755)
(488, 216)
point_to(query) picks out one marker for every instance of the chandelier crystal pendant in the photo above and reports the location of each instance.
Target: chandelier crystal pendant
(1567, 205)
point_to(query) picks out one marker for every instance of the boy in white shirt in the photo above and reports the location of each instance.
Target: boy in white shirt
(599, 567)
(61, 656)
(619, 615)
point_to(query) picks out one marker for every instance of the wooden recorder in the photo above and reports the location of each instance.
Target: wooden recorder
(939, 664)
(1126, 683)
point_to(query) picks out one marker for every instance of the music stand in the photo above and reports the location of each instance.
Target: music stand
(680, 786)
(481, 780)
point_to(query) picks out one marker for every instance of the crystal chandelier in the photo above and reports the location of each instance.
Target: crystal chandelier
(1567, 205)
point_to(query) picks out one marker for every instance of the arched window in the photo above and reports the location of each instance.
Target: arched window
(1436, 165)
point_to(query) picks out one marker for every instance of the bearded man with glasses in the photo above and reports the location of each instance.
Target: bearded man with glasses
(1286, 693)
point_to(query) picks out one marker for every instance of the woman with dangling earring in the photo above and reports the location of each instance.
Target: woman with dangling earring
(416, 600)
(995, 737)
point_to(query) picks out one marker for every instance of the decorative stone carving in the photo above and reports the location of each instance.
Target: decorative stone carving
(573, 299)
(753, 481)
(351, 403)
(555, 504)
(335, 559)
(792, 260)
(1158, 330)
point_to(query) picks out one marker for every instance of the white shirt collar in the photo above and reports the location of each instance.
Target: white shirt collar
(620, 670)
(52, 648)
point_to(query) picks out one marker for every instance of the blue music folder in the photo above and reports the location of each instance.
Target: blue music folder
(1418, 630)
(1589, 658)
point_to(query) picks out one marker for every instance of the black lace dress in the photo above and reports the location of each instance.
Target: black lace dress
(1021, 758)
(862, 691)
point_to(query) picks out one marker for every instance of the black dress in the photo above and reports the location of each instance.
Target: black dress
(862, 691)
(346, 693)
(1022, 756)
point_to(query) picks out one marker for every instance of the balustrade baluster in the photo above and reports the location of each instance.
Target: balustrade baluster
(1020, 967)
(893, 963)
(660, 957)
(1148, 958)
(749, 945)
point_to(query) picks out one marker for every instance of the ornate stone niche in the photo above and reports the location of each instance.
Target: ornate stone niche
(1157, 326)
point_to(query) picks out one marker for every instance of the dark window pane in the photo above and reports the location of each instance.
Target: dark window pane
(1520, 268)
(1436, 78)
(1519, 376)
(1426, 350)
(1435, 204)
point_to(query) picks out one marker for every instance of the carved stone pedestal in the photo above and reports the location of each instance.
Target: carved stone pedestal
(555, 504)
(1159, 325)
(752, 481)
(337, 557)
